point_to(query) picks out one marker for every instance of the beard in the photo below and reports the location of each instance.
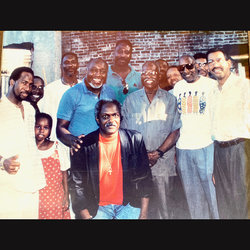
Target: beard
(18, 97)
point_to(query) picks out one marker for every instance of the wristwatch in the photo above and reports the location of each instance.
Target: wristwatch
(1, 163)
(161, 153)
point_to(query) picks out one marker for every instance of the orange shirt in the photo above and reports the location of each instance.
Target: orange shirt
(110, 170)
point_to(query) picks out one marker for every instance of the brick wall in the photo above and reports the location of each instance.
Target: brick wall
(148, 45)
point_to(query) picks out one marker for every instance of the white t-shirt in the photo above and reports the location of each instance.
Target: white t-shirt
(194, 104)
(53, 93)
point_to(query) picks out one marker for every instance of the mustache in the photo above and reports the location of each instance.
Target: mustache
(216, 68)
(109, 124)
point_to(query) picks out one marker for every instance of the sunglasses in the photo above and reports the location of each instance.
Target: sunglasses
(189, 66)
(125, 87)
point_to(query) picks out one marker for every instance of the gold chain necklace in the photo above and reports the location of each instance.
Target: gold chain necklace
(110, 162)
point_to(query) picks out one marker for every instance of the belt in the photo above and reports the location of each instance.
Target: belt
(225, 144)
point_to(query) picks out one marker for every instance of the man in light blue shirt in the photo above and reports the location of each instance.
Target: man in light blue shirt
(75, 115)
(122, 77)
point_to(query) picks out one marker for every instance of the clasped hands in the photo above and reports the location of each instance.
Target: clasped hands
(153, 157)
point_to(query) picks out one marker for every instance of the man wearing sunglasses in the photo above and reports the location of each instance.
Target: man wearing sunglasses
(195, 148)
(122, 77)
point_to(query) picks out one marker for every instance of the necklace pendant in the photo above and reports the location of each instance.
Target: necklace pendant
(110, 170)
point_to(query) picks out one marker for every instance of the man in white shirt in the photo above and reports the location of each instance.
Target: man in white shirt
(195, 148)
(21, 174)
(54, 91)
(231, 132)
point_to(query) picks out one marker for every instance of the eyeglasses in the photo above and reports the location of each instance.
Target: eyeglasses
(189, 66)
(125, 87)
(201, 64)
(217, 60)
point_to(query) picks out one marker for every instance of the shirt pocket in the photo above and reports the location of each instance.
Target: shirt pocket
(136, 120)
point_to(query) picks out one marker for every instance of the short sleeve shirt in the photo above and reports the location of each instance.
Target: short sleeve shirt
(77, 105)
(194, 104)
(114, 80)
(155, 121)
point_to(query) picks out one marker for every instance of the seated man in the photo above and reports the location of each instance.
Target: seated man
(111, 178)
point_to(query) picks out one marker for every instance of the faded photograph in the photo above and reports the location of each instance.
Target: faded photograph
(125, 124)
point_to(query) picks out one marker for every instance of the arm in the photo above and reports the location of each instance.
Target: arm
(169, 142)
(66, 137)
(66, 190)
(85, 214)
(144, 208)
(172, 138)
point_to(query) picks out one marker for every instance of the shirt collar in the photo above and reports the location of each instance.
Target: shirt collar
(157, 95)
(114, 73)
(228, 82)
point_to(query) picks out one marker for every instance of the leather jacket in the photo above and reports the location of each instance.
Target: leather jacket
(84, 172)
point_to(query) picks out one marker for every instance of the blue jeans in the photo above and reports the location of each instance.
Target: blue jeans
(195, 168)
(118, 212)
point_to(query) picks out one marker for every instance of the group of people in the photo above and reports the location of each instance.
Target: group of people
(169, 142)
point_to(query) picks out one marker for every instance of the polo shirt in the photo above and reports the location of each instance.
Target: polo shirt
(77, 105)
(114, 80)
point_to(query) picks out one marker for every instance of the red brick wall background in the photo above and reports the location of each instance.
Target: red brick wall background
(148, 45)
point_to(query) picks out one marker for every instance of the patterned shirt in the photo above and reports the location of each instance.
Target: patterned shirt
(194, 104)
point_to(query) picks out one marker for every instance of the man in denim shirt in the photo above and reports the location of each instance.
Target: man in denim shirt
(122, 78)
(153, 112)
(76, 111)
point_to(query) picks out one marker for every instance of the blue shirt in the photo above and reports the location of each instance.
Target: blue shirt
(114, 80)
(78, 106)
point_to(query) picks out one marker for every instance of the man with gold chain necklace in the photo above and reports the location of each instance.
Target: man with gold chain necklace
(111, 178)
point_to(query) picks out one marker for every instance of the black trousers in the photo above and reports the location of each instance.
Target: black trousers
(230, 172)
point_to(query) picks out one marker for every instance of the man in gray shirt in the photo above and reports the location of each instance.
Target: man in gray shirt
(153, 112)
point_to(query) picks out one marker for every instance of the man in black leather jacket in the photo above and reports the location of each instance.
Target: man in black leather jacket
(87, 168)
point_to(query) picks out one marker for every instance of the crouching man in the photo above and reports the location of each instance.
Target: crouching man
(111, 177)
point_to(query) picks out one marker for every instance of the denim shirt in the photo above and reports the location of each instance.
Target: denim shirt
(78, 106)
(155, 121)
(114, 80)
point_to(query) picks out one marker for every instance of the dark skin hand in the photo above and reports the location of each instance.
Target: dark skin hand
(74, 142)
(167, 144)
(11, 165)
